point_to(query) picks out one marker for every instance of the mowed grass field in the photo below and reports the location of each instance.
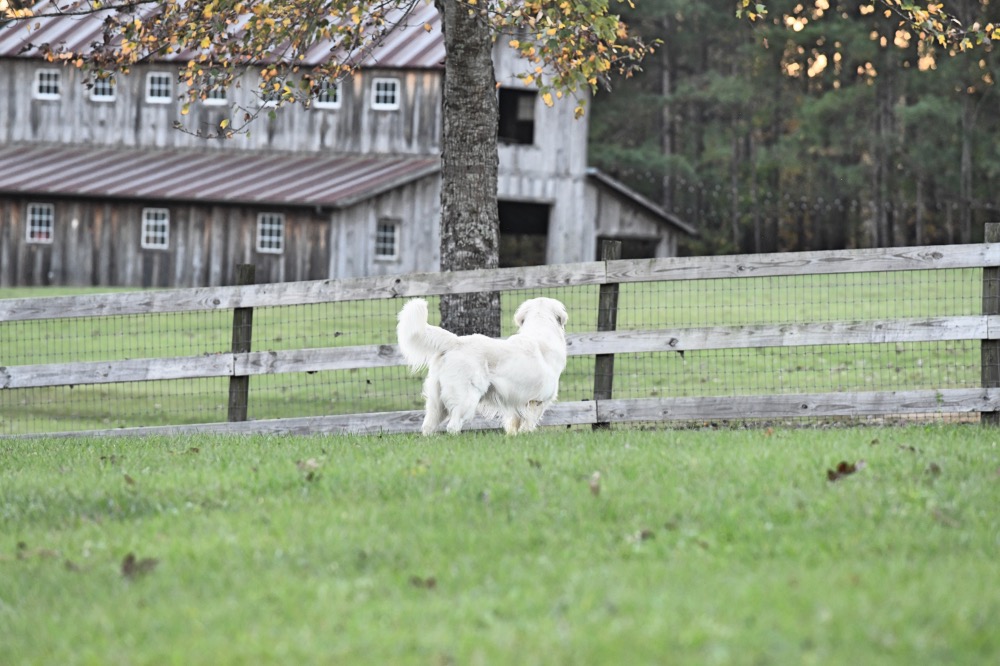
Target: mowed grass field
(560, 547)
(673, 306)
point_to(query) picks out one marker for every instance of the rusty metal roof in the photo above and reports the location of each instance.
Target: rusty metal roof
(227, 177)
(416, 42)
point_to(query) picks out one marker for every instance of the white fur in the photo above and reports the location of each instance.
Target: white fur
(515, 379)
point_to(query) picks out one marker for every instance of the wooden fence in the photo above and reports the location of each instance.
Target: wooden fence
(602, 344)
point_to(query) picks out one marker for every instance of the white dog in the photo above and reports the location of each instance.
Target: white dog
(515, 379)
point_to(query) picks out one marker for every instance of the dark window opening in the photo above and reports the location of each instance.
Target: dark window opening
(632, 248)
(517, 116)
(524, 230)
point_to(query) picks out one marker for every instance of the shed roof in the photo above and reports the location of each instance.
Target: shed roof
(416, 41)
(227, 177)
(604, 180)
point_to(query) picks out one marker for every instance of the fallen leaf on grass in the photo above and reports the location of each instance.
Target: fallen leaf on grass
(641, 535)
(428, 583)
(132, 567)
(595, 484)
(25, 553)
(129, 480)
(309, 468)
(934, 469)
(943, 518)
(843, 469)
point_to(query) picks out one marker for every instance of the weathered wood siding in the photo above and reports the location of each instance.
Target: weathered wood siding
(552, 170)
(98, 244)
(416, 209)
(131, 121)
(616, 217)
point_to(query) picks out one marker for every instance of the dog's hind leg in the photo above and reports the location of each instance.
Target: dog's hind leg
(462, 398)
(532, 414)
(461, 411)
(434, 408)
(512, 424)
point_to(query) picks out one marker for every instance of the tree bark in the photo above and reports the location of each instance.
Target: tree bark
(470, 226)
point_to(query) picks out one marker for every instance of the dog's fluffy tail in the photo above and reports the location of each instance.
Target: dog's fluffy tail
(418, 341)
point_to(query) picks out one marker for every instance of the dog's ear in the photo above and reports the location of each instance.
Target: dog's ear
(520, 315)
(562, 317)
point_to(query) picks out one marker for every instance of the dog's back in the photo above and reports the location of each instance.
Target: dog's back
(418, 341)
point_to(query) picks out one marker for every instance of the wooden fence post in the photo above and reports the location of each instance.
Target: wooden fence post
(607, 320)
(991, 306)
(239, 386)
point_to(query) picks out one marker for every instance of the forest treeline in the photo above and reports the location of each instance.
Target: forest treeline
(827, 125)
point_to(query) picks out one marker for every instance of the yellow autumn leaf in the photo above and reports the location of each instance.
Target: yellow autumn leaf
(205, 42)
(547, 98)
(224, 124)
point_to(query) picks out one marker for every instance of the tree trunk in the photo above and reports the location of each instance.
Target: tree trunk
(470, 226)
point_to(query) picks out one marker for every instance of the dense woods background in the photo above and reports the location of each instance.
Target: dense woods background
(825, 126)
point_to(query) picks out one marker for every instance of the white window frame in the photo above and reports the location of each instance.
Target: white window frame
(155, 232)
(217, 96)
(331, 88)
(39, 218)
(387, 228)
(96, 96)
(271, 243)
(380, 88)
(169, 87)
(51, 78)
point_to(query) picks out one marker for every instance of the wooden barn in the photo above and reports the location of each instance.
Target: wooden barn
(97, 187)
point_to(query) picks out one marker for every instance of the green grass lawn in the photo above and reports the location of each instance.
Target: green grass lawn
(691, 547)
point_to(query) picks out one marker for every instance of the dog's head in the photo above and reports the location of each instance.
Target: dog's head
(542, 310)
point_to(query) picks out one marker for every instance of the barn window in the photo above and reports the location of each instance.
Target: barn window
(271, 233)
(47, 83)
(387, 240)
(159, 88)
(41, 223)
(155, 228)
(269, 98)
(385, 94)
(103, 89)
(216, 96)
(328, 95)
(517, 116)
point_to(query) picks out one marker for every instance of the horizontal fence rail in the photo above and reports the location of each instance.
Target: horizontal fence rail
(905, 333)
(504, 279)
(581, 344)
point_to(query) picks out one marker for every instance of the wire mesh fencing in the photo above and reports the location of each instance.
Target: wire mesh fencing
(713, 320)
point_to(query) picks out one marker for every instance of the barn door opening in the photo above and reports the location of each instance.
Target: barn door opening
(524, 232)
(632, 248)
